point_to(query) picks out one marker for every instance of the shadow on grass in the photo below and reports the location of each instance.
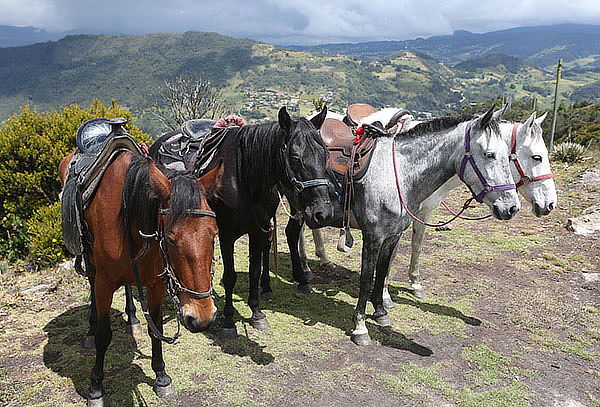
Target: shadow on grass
(429, 307)
(64, 354)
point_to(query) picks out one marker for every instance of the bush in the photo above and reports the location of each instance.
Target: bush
(31, 146)
(44, 235)
(568, 152)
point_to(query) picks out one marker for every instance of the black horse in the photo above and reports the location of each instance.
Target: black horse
(254, 160)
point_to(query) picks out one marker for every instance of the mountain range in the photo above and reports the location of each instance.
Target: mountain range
(257, 78)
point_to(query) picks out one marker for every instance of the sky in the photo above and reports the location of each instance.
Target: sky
(296, 21)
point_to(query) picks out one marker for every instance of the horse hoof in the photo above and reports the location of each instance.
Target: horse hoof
(260, 324)
(89, 342)
(305, 288)
(229, 333)
(267, 296)
(135, 329)
(419, 293)
(99, 402)
(165, 392)
(384, 320)
(361, 339)
(388, 304)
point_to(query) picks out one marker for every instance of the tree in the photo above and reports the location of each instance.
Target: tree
(186, 98)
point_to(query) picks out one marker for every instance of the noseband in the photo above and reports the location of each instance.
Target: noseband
(515, 160)
(298, 185)
(173, 286)
(468, 159)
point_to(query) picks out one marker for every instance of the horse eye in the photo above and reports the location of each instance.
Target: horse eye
(490, 155)
(537, 157)
(295, 158)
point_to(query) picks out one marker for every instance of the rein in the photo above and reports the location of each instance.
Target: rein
(173, 286)
(467, 158)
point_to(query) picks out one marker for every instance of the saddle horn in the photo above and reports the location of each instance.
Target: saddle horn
(396, 117)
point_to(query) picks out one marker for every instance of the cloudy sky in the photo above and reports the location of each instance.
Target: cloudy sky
(296, 21)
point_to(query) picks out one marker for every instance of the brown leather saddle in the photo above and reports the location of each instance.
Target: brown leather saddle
(339, 139)
(356, 112)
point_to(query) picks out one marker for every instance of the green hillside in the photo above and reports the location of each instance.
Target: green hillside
(256, 78)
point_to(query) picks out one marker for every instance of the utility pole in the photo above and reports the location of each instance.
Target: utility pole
(558, 72)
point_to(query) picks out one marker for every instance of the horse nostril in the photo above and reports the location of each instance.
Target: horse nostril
(513, 210)
(551, 206)
(319, 216)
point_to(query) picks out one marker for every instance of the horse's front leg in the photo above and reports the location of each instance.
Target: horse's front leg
(258, 242)
(386, 254)
(133, 322)
(293, 232)
(103, 294)
(416, 243)
(229, 278)
(162, 386)
(370, 253)
(266, 292)
(320, 248)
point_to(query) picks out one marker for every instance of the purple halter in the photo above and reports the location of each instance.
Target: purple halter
(468, 158)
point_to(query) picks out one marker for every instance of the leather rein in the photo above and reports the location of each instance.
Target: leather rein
(172, 283)
(467, 159)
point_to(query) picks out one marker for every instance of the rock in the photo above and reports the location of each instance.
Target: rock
(586, 224)
(67, 266)
(39, 289)
(591, 178)
(591, 277)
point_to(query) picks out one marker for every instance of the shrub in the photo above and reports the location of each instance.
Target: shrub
(31, 146)
(44, 235)
(568, 152)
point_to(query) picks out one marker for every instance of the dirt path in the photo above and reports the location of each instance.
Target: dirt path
(512, 319)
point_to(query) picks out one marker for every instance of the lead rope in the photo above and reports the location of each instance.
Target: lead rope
(466, 205)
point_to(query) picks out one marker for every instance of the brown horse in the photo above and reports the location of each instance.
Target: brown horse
(142, 220)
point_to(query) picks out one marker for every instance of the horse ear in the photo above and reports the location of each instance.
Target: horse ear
(285, 121)
(212, 180)
(484, 120)
(529, 122)
(499, 113)
(161, 185)
(318, 120)
(540, 119)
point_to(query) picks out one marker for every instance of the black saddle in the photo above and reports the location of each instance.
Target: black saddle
(193, 147)
(96, 150)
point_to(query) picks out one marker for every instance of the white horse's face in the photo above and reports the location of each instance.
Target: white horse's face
(490, 154)
(533, 158)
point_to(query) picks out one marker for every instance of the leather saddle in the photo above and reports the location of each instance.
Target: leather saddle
(193, 147)
(339, 139)
(99, 142)
(356, 112)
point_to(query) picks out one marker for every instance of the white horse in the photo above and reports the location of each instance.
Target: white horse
(532, 156)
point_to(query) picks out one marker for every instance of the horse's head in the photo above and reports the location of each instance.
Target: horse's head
(485, 169)
(531, 167)
(304, 160)
(188, 229)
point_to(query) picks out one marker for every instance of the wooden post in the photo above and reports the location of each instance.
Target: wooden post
(558, 71)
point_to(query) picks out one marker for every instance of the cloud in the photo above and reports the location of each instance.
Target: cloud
(299, 21)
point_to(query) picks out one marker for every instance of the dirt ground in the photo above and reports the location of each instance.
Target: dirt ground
(511, 319)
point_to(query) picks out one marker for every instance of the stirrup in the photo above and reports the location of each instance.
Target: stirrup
(346, 241)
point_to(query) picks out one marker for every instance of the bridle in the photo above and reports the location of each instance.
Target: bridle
(513, 157)
(468, 159)
(298, 185)
(172, 283)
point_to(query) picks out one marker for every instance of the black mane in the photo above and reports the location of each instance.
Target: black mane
(140, 203)
(444, 123)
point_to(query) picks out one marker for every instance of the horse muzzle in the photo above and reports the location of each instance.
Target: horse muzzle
(195, 324)
(319, 214)
(539, 210)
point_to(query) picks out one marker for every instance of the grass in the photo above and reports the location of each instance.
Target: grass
(504, 303)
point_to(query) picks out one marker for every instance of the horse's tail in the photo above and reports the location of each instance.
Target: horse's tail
(139, 201)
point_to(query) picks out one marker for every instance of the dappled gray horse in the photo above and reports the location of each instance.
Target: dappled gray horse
(529, 165)
(423, 159)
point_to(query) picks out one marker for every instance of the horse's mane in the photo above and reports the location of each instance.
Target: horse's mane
(444, 123)
(140, 203)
